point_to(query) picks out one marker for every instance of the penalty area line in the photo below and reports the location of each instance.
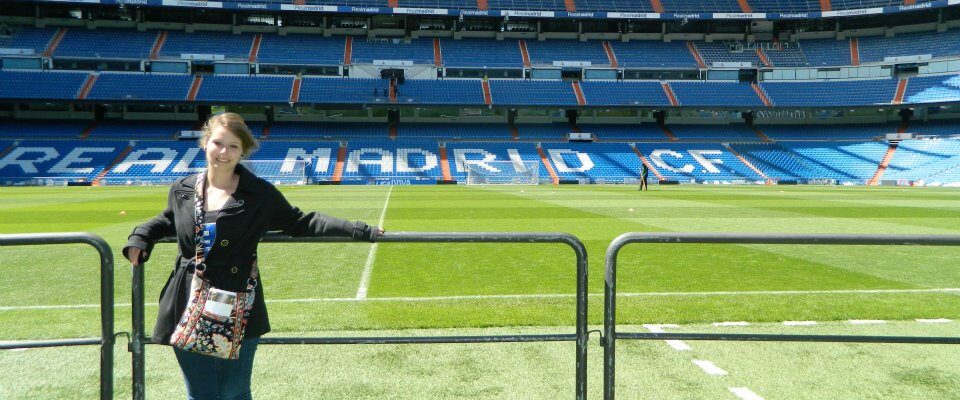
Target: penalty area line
(372, 255)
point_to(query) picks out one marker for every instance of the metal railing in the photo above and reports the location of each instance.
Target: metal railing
(106, 340)
(610, 334)
(138, 339)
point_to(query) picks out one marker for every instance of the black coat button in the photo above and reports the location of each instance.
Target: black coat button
(224, 242)
(233, 270)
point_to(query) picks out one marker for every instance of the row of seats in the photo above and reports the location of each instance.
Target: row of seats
(18, 85)
(677, 6)
(300, 49)
(32, 160)
(153, 130)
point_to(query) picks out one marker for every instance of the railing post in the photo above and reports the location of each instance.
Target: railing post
(106, 339)
(136, 336)
(581, 336)
(610, 288)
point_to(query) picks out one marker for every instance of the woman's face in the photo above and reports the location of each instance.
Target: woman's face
(224, 149)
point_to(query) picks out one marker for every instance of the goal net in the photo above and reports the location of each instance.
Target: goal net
(279, 172)
(503, 173)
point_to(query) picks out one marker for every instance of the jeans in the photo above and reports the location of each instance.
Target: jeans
(210, 378)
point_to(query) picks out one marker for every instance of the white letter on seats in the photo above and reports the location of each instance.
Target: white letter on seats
(184, 165)
(297, 153)
(385, 162)
(461, 161)
(63, 166)
(556, 155)
(159, 166)
(403, 160)
(657, 157)
(707, 163)
(28, 166)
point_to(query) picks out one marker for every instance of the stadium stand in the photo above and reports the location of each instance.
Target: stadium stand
(43, 129)
(728, 133)
(342, 90)
(721, 52)
(610, 93)
(459, 132)
(532, 92)
(139, 86)
(246, 89)
(831, 93)
(721, 94)
(937, 45)
(932, 89)
(785, 6)
(610, 132)
(408, 159)
(444, 91)
(812, 132)
(921, 159)
(594, 162)
(41, 85)
(826, 52)
(464, 154)
(699, 162)
(721, 6)
(40, 161)
(301, 49)
(28, 37)
(106, 44)
(614, 5)
(231, 46)
(366, 50)
(155, 130)
(481, 53)
(548, 51)
(647, 53)
(327, 130)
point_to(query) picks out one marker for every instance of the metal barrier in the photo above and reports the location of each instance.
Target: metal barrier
(106, 340)
(610, 334)
(138, 339)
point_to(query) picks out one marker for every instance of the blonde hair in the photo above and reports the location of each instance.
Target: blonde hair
(235, 124)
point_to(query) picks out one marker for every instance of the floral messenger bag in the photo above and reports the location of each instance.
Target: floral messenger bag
(214, 320)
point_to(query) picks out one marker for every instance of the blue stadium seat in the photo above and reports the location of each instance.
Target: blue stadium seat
(716, 94)
(106, 43)
(345, 91)
(231, 46)
(648, 53)
(366, 50)
(138, 86)
(444, 91)
(41, 85)
(532, 92)
(831, 93)
(826, 52)
(481, 53)
(301, 49)
(932, 89)
(609, 93)
(245, 89)
(546, 52)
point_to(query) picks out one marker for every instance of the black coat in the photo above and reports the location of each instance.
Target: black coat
(255, 208)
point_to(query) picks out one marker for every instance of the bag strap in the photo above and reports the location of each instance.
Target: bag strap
(200, 266)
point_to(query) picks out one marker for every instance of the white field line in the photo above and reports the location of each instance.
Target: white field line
(677, 345)
(709, 368)
(732, 323)
(866, 321)
(745, 394)
(933, 321)
(799, 323)
(532, 297)
(372, 255)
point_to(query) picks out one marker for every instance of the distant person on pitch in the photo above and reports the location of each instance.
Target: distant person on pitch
(644, 172)
(218, 217)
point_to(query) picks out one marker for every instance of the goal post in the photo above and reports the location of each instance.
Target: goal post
(279, 172)
(503, 173)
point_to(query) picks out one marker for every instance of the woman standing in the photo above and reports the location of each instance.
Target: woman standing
(227, 209)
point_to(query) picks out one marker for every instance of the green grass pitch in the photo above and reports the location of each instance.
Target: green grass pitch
(454, 289)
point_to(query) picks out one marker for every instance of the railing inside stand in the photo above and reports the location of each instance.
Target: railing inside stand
(610, 334)
(106, 339)
(580, 336)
